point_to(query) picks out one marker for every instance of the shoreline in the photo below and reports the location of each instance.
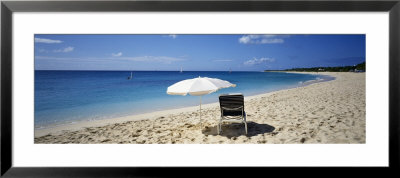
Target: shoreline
(80, 125)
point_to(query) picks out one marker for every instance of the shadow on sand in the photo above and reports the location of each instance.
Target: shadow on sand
(235, 130)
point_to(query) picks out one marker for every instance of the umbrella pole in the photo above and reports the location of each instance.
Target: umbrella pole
(201, 124)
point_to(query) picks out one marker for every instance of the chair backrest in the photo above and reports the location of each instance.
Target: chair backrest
(231, 101)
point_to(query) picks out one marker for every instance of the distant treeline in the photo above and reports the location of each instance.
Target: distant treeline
(357, 68)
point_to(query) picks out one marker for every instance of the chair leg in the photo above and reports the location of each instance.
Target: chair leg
(219, 127)
(245, 122)
(245, 126)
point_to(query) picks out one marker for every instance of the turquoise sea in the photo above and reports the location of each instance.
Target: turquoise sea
(63, 97)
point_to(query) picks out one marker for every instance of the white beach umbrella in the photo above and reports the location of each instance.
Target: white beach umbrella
(198, 87)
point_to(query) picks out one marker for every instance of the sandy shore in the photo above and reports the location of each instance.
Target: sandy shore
(327, 112)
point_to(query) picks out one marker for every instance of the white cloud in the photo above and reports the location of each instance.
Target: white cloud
(43, 51)
(255, 61)
(57, 58)
(49, 41)
(64, 50)
(223, 60)
(262, 39)
(163, 59)
(117, 54)
(173, 36)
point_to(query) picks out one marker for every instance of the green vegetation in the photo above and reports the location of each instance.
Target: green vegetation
(357, 68)
(361, 66)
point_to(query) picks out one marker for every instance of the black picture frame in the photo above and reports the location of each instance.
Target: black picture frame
(8, 7)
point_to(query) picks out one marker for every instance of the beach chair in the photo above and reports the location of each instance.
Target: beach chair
(232, 110)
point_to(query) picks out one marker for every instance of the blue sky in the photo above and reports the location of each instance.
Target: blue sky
(196, 52)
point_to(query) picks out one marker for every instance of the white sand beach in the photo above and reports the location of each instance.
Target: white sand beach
(327, 112)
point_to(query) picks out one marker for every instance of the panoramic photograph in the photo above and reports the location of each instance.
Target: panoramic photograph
(199, 89)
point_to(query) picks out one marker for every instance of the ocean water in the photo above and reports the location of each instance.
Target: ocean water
(64, 97)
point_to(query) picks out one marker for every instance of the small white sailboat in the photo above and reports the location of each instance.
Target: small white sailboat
(181, 70)
(230, 70)
(130, 77)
